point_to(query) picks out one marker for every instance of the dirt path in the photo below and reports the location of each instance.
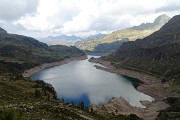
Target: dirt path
(151, 86)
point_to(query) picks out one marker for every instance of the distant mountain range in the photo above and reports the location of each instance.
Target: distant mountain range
(107, 43)
(61, 40)
(67, 40)
(131, 34)
(66, 37)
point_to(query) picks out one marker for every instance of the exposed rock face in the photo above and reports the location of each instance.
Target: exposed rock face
(138, 32)
(156, 25)
(2, 31)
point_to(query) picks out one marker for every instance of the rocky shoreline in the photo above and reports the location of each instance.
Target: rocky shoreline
(29, 72)
(151, 86)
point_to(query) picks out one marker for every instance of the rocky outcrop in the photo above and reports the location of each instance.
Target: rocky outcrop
(2, 31)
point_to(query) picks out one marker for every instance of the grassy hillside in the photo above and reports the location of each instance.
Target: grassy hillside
(88, 43)
(23, 99)
(26, 52)
(161, 51)
(157, 54)
(108, 47)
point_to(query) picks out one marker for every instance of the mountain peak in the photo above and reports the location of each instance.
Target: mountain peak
(162, 19)
(173, 25)
(157, 24)
(2, 31)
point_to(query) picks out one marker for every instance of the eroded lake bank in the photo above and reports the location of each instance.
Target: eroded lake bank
(151, 86)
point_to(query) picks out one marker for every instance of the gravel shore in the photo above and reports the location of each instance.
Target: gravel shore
(151, 86)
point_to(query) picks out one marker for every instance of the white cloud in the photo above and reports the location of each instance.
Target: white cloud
(13, 9)
(50, 14)
(84, 17)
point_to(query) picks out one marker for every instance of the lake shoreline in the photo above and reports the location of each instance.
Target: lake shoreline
(29, 72)
(119, 105)
(151, 86)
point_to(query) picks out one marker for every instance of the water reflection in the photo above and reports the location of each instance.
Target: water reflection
(80, 80)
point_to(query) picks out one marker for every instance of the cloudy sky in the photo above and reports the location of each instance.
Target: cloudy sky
(41, 18)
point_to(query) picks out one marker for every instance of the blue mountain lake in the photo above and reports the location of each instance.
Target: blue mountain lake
(79, 81)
